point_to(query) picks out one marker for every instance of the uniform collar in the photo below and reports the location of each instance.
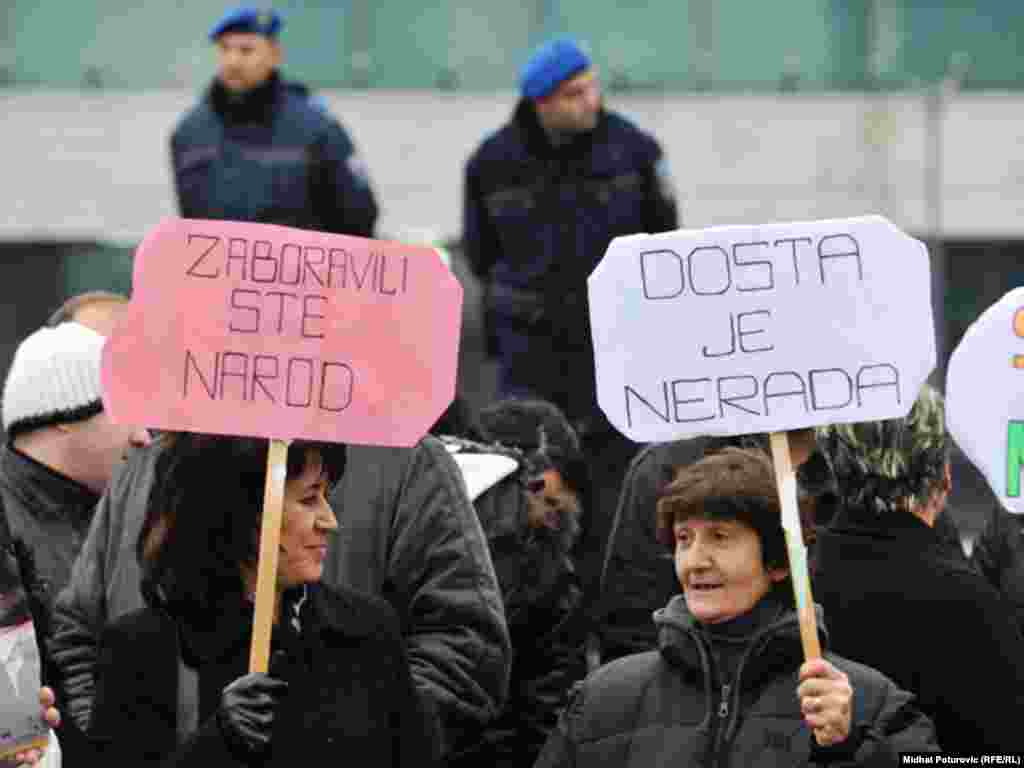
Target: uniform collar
(256, 105)
(537, 140)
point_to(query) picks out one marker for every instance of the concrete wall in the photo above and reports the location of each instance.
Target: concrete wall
(93, 166)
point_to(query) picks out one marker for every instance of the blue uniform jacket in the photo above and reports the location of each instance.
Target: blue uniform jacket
(539, 217)
(273, 156)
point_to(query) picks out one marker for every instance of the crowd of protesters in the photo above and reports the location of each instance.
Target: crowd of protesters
(523, 586)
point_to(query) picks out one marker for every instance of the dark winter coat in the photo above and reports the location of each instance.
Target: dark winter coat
(407, 531)
(350, 692)
(999, 555)
(542, 600)
(948, 533)
(898, 600)
(537, 219)
(274, 156)
(639, 574)
(47, 518)
(668, 708)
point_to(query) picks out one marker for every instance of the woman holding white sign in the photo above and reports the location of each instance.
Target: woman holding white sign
(728, 684)
(171, 678)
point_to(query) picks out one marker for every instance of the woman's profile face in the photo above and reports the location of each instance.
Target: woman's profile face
(307, 522)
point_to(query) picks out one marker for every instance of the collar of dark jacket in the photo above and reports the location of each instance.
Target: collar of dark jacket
(44, 492)
(866, 536)
(252, 106)
(771, 648)
(536, 139)
(890, 526)
(334, 610)
(319, 610)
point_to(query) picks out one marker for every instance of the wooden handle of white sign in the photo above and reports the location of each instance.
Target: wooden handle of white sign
(785, 481)
(270, 537)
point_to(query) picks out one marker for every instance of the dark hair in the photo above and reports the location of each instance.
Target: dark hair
(733, 484)
(204, 512)
(456, 421)
(814, 475)
(541, 431)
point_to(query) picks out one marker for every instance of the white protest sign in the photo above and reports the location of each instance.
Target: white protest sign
(743, 329)
(985, 397)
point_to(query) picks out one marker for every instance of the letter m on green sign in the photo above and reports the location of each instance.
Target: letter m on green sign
(1014, 456)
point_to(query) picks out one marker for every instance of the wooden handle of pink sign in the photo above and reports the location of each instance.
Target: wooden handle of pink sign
(270, 537)
(785, 481)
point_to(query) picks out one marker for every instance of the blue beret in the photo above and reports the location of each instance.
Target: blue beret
(245, 18)
(551, 64)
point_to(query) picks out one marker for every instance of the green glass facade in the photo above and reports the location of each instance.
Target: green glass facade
(682, 45)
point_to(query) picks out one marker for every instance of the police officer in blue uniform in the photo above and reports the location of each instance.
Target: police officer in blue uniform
(543, 198)
(258, 148)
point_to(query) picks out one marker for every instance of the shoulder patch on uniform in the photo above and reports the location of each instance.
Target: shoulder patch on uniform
(666, 184)
(319, 103)
(358, 168)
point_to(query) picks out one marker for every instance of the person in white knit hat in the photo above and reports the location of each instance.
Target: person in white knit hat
(60, 452)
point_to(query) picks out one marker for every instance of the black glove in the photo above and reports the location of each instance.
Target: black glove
(246, 713)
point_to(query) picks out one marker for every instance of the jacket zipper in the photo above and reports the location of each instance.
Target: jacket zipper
(723, 716)
(727, 719)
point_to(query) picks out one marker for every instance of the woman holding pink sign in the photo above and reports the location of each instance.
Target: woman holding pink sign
(172, 681)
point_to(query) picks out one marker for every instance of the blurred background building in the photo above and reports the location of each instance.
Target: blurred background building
(767, 111)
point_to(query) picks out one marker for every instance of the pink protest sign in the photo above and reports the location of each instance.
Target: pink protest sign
(255, 329)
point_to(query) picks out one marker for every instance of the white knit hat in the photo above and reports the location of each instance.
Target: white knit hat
(54, 378)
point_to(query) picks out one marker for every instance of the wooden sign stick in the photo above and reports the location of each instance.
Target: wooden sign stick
(785, 480)
(270, 537)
